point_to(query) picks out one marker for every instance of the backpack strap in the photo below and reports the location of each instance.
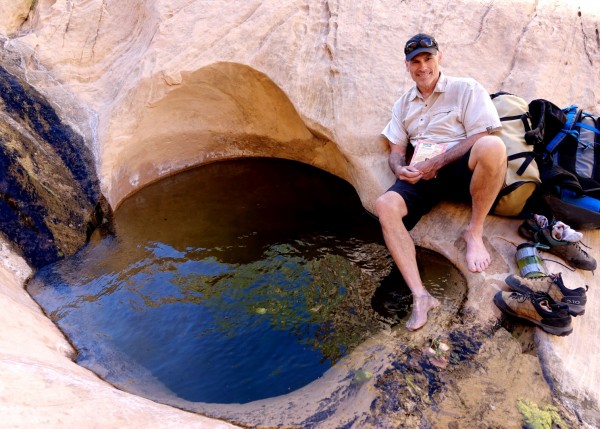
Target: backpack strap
(586, 126)
(529, 157)
(522, 117)
(573, 113)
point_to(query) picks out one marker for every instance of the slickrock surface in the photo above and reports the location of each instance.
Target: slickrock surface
(157, 87)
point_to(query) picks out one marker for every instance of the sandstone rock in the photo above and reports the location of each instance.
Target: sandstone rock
(568, 363)
(572, 366)
(339, 63)
(173, 84)
(51, 198)
(13, 14)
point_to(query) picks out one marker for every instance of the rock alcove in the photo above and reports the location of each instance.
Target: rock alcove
(236, 112)
(126, 167)
(221, 111)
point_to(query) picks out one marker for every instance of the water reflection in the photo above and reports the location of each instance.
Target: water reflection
(229, 283)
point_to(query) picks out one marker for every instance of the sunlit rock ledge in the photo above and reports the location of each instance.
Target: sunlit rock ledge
(158, 87)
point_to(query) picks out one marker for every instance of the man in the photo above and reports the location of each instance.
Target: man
(457, 113)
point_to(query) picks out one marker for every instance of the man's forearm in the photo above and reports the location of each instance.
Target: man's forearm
(396, 161)
(459, 149)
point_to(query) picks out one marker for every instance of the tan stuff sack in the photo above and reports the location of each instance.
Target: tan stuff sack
(522, 175)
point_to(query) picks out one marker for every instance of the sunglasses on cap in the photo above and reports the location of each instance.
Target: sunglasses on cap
(425, 42)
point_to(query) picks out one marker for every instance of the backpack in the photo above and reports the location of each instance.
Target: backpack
(570, 170)
(522, 174)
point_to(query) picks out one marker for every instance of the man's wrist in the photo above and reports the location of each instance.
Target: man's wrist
(397, 169)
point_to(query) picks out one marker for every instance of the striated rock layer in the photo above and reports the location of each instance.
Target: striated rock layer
(51, 199)
(157, 87)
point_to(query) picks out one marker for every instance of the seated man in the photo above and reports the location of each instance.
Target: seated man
(459, 114)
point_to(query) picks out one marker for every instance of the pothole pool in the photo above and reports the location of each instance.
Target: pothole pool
(230, 283)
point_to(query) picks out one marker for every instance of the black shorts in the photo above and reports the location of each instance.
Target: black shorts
(452, 183)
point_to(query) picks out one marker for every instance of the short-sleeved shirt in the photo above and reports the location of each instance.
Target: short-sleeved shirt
(458, 108)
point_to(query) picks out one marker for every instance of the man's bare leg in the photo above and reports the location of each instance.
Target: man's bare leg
(391, 209)
(420, 309)
(488, 163)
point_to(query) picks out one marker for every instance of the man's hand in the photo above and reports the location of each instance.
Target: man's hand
(425, 170)
(409, 174)
(428, 168)
(398, 165)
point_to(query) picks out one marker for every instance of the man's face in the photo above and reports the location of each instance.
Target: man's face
(425, 69)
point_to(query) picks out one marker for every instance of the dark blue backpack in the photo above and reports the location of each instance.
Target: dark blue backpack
(570, 170)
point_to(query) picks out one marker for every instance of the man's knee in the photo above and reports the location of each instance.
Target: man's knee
(489, 150)
(390, 204)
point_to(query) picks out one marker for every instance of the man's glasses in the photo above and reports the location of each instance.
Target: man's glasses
(425, 42)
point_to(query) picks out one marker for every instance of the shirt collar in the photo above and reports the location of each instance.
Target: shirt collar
(440, 86)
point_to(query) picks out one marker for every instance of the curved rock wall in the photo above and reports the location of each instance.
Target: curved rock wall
(161, 86)
(339, 62)
(225, 110)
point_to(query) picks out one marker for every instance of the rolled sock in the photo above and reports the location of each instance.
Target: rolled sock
(563, 232)
(542, 221)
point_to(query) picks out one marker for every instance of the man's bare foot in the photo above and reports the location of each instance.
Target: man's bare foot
(420, 308)
(478, 258)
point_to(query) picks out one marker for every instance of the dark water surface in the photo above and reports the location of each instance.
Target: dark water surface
(233, 282)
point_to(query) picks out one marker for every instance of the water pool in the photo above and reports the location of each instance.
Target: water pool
(233, 282)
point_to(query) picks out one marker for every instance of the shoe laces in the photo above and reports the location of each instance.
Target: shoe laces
(531, 296)
(520, 297)
(577, 246)
(541, 298)
(584, 245)
(555, 277)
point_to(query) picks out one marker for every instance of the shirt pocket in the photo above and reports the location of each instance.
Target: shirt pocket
(445, 123)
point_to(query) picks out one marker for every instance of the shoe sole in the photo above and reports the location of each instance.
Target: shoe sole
(554, 330)
(514, 284)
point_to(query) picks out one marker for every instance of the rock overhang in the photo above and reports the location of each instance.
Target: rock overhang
(221, 111)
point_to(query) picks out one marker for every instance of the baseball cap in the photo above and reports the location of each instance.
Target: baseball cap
(420, 43)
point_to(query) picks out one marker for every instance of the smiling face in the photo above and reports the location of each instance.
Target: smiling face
(425, 71)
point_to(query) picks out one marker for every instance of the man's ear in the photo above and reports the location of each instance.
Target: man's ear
(440, 57)
(406, 65)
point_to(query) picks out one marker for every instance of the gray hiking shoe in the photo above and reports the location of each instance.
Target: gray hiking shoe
(570, 252)
(554, 286)
(538, 308)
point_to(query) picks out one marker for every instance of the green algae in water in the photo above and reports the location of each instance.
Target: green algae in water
(536, 417)
(229, 283)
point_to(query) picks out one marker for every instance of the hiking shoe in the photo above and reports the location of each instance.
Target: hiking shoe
(554, 286)
(538, 308)
(569, 251)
